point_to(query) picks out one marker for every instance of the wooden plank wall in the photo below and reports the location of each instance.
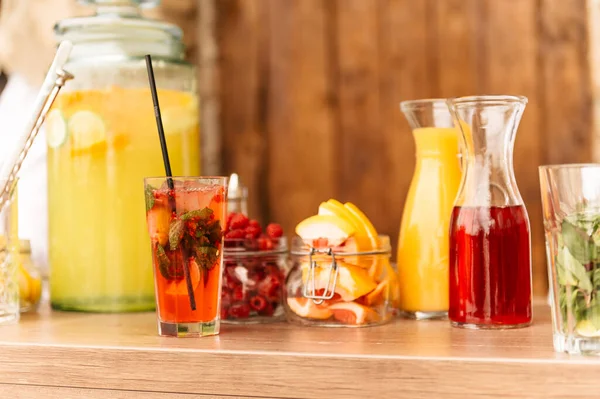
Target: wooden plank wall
(308, 93)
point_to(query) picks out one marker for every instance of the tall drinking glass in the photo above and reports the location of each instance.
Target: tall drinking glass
(186, 216)
(571, 207)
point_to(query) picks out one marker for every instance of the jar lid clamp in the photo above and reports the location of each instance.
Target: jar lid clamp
(333, 273)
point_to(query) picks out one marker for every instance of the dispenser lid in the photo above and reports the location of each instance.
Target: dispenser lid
(121, 21)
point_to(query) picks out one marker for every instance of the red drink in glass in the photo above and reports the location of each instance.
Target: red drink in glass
(186, 223)
(490, 267)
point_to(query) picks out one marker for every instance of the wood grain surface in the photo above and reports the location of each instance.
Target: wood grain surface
(310, 94)
(402, 359)
(18, 391)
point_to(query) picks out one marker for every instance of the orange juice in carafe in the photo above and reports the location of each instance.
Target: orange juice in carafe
(423, 252)
(102, 142)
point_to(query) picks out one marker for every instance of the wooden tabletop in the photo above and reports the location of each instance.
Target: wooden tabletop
(76, 355)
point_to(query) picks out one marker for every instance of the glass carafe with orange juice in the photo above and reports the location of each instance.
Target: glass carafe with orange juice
(423, 254)
(102, 142)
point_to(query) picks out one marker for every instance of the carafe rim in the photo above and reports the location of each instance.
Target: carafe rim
(583, 165)
(487, 100)
(411, 105)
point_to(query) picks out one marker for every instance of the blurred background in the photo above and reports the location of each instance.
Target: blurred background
(300, 97)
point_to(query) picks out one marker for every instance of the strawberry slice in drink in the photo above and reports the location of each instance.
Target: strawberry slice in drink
(159, 219)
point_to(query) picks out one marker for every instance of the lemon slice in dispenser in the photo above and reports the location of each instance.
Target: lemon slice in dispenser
(56, 129)
(87, 130)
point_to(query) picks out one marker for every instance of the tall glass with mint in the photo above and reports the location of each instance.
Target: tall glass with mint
(186, 218)
(571, 207)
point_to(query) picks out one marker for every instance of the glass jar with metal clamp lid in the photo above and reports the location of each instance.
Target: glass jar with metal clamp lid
(339, 286)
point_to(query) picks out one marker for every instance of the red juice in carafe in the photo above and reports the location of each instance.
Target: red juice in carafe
(490, 267)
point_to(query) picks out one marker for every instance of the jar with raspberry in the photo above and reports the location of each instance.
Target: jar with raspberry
(255, 265)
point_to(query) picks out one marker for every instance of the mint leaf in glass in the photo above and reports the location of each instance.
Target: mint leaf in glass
(575, 273)
(163, 261)
(149, 195)
(577, 265)
(199, 213)
(578, 240)
(175, 233)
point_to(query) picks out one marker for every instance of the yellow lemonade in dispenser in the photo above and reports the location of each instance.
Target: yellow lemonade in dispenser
(101, 145)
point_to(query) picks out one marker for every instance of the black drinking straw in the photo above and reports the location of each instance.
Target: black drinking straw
(165, 154)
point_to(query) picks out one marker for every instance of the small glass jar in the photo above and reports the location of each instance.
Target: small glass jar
(253, 278)
(340, 286)
(30, 280)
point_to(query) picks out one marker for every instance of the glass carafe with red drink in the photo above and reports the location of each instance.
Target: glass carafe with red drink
(490, 240)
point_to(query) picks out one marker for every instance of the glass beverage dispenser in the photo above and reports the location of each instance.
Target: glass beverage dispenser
(102, 142)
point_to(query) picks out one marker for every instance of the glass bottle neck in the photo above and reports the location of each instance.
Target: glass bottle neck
(488, 126)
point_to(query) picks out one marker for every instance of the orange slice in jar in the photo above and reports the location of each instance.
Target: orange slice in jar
(360, 240)
(306, 308)
(378, 296)
(367, 241)
(352, 281)
(381, 269)
(351, 313)
(335, 229)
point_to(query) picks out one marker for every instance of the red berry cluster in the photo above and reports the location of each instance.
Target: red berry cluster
(252, 284)
(243, 232)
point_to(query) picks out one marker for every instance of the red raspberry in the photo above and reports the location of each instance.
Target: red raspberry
(238, 221)
(253, 231)
(228, 221)
(265, 243)
(258, 303)
(225, 302)
(254, 223)
(230, 282)
(256, 274)
(239, 310)
(273, 270)
(274, 305)
(233, 234)
(219, 197)
(268, 310)
(230, 278)
(251, 244)
(274, 230)
(238, 294)
(270, 288)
